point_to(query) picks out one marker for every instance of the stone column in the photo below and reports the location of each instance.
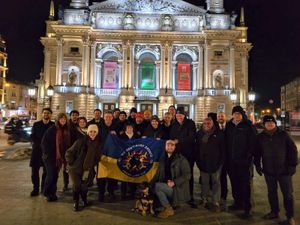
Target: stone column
(92, 65)
(169, 77)
(131, 65)
(120, 69)
(207, 77)
(124, 69)
(85, 61)
(97, 83)
(137, 68)
(173, 86)
(158, 80)
(232, 65)
(200, 68)
(194, 82)
(59, 61)
(163, 78)
(47, 61)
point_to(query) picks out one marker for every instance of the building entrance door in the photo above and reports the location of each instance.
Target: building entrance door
(108, 106)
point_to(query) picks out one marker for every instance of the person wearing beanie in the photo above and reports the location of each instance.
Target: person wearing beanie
(183, 132)
(154, 129)
(132, 114)
(81, 158)
(240, 139)
(122, 121)
(139, 124)
(116, 114)
(276, 156)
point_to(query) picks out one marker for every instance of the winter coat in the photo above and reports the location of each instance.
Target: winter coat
(105, 130)
(37, 133)
(76, 154)
(97, 123)
(181, 174)
(185, 133)
(140, 128)
(277, 152)
(240, 143)
(154, 133)
(210, 156)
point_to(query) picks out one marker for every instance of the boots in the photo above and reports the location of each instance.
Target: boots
(76, 201)
(168, 211)
(84, 199)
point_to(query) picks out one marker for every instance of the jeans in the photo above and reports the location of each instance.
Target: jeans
(51, 179)
(216, 186)
(286, 186)
(35, 177)
(164, 193)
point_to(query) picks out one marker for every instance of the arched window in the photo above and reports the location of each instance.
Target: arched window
(147, 72)
(184, 72)
(110, 74)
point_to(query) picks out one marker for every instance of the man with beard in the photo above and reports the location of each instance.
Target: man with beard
(36, 162)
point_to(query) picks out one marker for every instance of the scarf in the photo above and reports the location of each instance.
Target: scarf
(91, 154)
(207, 134)
(63, 142)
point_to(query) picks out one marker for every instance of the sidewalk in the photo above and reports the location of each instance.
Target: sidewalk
(18, 208)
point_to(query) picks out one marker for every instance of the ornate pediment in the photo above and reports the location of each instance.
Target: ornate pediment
(148, 6)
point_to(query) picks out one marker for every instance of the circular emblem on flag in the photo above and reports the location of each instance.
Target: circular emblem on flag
(136, 160)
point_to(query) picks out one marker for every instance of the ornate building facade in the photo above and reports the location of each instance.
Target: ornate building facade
(3, 71)
(147, 54)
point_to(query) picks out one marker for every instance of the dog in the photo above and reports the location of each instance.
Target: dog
(144, 202)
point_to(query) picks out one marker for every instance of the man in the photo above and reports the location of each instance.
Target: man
(116, 113)
(122, 121)
(210, 150)
(36, 162)
(172, 111)
(107, 127)
(140, 125)
(240, 137)
(132, 114)
(221, 118)
(279, 156)
(97, 118)
(167, 125)
(171, 181)
(183, 132)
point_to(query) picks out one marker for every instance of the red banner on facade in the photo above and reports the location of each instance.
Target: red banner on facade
(184, 77)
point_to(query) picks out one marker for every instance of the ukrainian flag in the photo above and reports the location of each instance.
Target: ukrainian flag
(133, 161)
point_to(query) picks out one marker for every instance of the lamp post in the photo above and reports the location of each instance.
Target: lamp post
(50, 93)
(233, 96)
(31, 93)
(251, 97)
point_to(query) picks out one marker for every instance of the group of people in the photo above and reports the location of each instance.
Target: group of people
(220, 148)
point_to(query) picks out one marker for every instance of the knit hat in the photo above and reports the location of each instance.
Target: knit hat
(123, 112)
(133, 110)
(139, 114)
(269, 118)
(238, 109)
(93, 127)
(180, 110)
(155, 118)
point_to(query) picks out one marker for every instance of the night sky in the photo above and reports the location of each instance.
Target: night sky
(274, 31)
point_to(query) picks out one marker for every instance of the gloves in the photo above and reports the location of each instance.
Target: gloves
(259, 170)
(291, 170)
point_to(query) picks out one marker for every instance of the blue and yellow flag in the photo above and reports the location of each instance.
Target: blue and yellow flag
(133, 161)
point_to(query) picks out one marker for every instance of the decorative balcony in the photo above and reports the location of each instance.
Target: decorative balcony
(178, 93)
(216, 92)
(70, 89)
(146, 93)
(107, 92)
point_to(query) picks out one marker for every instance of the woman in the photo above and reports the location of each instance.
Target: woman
(54, 144)
(81, 128)
(82, 158)
(154, 129)
(128, 134)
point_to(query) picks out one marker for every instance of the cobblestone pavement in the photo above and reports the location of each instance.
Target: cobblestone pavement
(18, 208)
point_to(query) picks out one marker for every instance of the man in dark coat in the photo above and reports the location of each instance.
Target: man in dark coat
(108, 127)
(97, 118)
(240, 138)
(279, 157)
(36, 162)
(183, 132)
(210, 151)
(171, 181)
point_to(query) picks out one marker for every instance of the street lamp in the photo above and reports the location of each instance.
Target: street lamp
(233, 96)
(251, 97)
(50, 93)
(31, 93)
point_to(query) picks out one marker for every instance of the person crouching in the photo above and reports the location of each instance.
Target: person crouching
(171, 181)
(82, 158)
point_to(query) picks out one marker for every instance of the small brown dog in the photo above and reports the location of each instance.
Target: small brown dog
(144, 202)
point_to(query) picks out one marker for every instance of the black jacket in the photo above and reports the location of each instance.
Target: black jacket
(140, 128)
(154, 133)
(186, 134)
(37, 133)
(210, 155)
(240, 143)
(105, 130)
(277, 152)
